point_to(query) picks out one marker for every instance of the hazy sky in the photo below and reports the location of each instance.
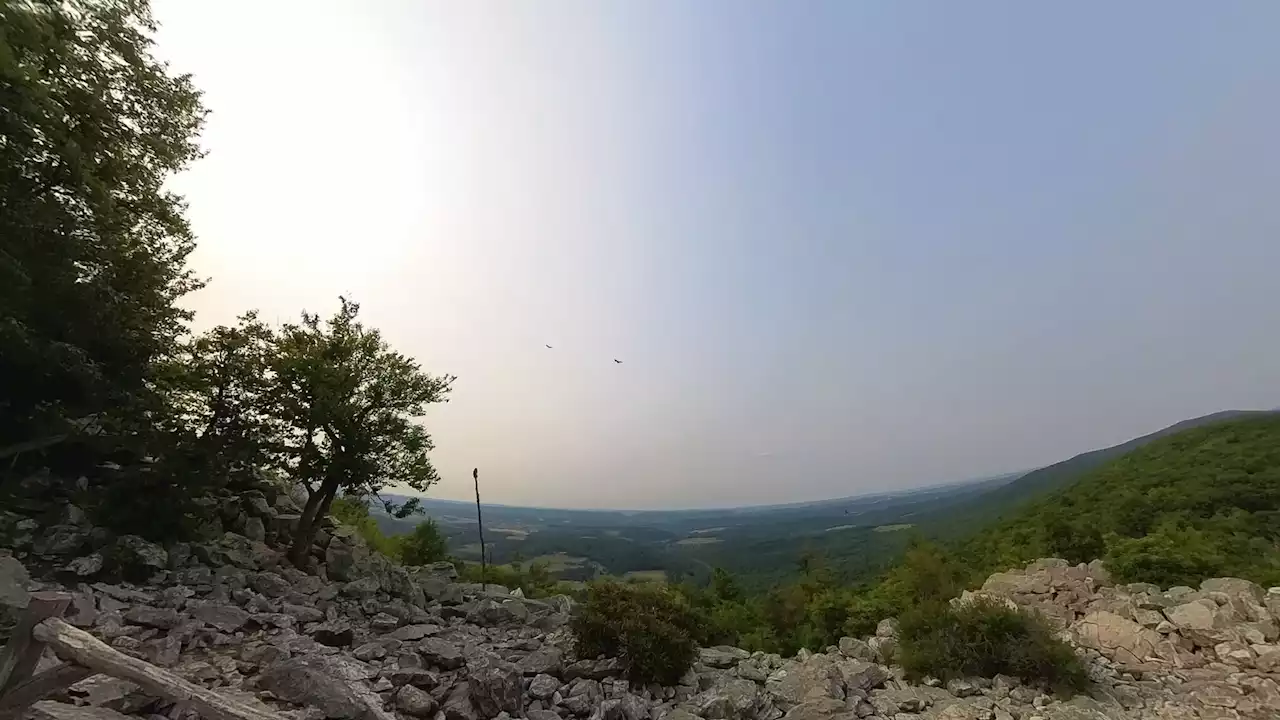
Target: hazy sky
(840, 247)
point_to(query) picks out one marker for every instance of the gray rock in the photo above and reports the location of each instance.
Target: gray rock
(548, 660)
(270, 584)
(384, 622)
(227, 618)
(138, 558)
(302, 613)
(254, 529)
(722, 656)
(489, 612)
(441, 654)
(61, 540)
(887, 628)
(495, 686)
(409, 633)
(821, 709)
(458, 705)
(417, 703)
(543, 686)
(14, 583)
(321, 683)
(362, 589)
(162, 618)
(544, 715)
(797, 682)
(85, 566)
(334, 634)
(856, 649)
(729, 698)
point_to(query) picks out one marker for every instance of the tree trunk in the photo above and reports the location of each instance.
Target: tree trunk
(317, 505)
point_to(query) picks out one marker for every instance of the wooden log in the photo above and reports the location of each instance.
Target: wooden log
(81, 647)
(14, 702)
(22, 652)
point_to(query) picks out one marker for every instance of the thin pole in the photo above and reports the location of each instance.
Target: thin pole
(484, 568)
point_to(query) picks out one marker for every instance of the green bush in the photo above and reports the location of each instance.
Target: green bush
(985, 637)
(648, 626)
(424, 545)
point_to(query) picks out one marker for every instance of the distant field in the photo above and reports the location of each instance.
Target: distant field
(893, 528)
(646, 575)
(841, 527)
(513, 533)
(699, 541)
(706, 530)
(557, 562)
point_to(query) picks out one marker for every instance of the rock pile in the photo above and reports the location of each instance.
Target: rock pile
(359, 637)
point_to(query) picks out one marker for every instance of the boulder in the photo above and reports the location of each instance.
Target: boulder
(324, 684)
(1118, 638)
(495, 687)
(729, 698)
(722, 656)
(800, 681)
(139, 559)
(440, 653)
(414, 702)
(547, 660)
(227, 618)
(543, 687)
(14, 583)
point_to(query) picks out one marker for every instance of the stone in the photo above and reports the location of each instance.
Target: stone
(495, 687)
(138, 558)
(161, 618)
(14, 584)
(85, 566)
(547, 660)
(727, 699)
(334, 634)
(821, 709)
(543, 686)
(722, 656)
(322, 683)
(856, 649)
(489, 612)
(409, 633)
(227, 618)
(414, 702)
(1235, 587)
(59, 540)
(270, 584)
(458, 705)
(1121, 639)
(384, 622)
(254, 529)
(441, 654)
(797, 682)
(887, 628)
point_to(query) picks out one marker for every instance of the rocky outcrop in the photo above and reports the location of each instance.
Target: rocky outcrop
(356, 636)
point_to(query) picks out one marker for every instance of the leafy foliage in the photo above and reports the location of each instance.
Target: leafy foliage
(424, 545)
(985, 637)
(94, 248)
(648, 626)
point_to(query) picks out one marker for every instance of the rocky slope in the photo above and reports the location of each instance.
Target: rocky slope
(358, 637)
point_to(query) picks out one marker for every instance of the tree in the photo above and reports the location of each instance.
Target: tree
(424, 545)
(94, 249)
(349, 403)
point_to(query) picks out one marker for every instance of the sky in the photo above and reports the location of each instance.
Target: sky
(839, 247)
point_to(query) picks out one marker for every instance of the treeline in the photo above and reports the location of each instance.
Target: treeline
(102, 375)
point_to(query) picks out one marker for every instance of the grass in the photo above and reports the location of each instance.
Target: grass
(699, 541)
(893, 528)
(659, 576)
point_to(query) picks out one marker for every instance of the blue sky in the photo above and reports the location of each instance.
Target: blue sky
(840, 247)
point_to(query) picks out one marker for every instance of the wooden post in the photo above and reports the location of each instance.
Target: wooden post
(22, 652)
(484, 566)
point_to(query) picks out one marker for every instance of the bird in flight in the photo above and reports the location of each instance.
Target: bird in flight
(617, 361)
(548, 347)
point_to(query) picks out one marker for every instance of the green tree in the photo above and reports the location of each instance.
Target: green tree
(424, 545)
(94, 248)
(350, 403)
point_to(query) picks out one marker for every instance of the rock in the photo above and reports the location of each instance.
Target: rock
(409, 633)
(797, 682)
(822, 709)
(441, 654)
(254, 529)
(495, 687)
(14, 583)
(302, 613)
(61, 540)
(488, 612)
(1235, 587)
(887, 628)
(1123, 640)
(85, 566)
(884, 648)
(543, 686)
(227, 618)
(162, 618)
(862, 675)
(729, 698)
(138, 558)
(384, 622)
(722, 656)
(334, 634)
(270, 584)
(458, 705)
(412, 701)
(362, 589)
(856, 649)
(319, 682)
(548, 660)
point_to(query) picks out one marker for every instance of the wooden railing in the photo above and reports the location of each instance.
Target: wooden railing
(83, 655)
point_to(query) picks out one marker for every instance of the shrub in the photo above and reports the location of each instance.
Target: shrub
(424, 545)
(985, 637)
(647, 626)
